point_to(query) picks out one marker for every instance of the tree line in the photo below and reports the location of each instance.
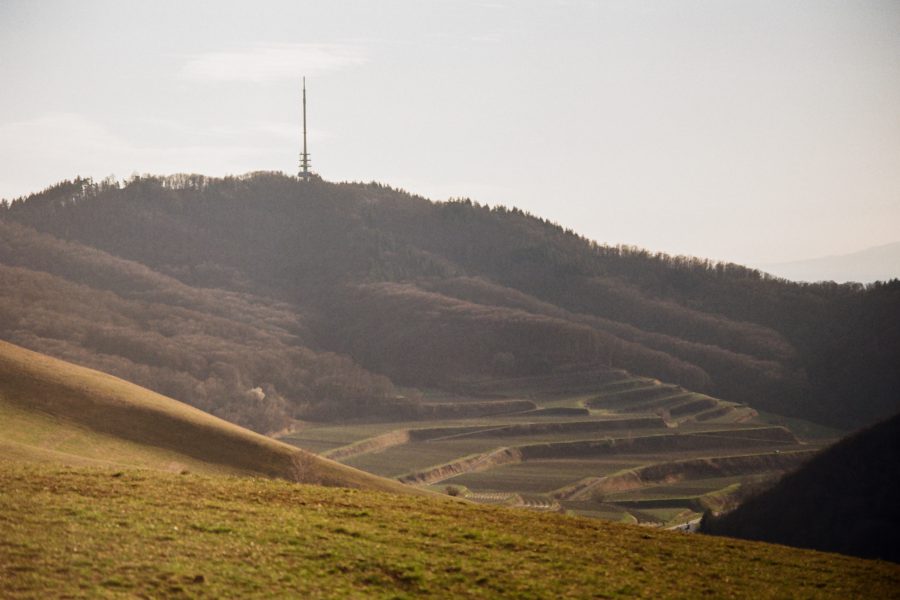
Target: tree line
(430, 292)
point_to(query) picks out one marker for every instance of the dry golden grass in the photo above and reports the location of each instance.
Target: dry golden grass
(54, 411)
(97, 533)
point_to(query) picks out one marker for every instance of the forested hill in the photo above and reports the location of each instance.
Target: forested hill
(819, 506)
(262, 298)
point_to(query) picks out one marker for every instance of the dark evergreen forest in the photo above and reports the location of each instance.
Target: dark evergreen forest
(262, 299)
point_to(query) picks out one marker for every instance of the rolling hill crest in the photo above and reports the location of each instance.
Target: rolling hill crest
(56, 413)
(263, 299)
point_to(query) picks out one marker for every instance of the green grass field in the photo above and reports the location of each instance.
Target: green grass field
(327, 436)
(96, 533)
(539, 476)
(684, 489)
(417, 455)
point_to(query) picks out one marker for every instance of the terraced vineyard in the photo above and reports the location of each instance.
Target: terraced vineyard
(603, 444)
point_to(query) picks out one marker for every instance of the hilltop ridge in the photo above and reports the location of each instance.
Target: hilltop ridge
(351, 290)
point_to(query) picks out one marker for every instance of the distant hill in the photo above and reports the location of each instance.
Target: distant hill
(881, 263)
(844, 500)
(262, 299)
(58, 413)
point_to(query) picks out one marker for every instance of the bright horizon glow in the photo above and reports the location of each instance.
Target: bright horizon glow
(754, 132)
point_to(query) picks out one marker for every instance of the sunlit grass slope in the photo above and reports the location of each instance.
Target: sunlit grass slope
(53, 411)
(35, 437)
(100, 533)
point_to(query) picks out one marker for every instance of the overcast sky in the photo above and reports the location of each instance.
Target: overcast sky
(754, 131)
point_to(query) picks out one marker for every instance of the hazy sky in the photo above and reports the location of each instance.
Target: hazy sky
(753, 131)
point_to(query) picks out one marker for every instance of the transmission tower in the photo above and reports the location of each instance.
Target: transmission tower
(304, 174)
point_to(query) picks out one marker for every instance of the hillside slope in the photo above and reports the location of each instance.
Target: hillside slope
(241, 356)
(90, 533)
(426, 294)
(61, 413)
(843, 500)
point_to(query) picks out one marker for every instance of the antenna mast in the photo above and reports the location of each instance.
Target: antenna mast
(304, 157)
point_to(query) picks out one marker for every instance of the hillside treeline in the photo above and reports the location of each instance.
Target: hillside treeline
(434, 293)
(241, 357)
(455, 340)
(843, 500)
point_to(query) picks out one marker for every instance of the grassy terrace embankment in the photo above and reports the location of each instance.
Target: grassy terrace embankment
(403, 436)
(566, 453)
(705, 440)
(105, 533)
(757, 436)
(686, 470)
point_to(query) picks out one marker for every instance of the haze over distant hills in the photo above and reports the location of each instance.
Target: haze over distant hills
(880, 263)
(262, 299)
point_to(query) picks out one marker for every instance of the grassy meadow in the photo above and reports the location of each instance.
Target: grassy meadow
(110, 490)
(105, 533)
